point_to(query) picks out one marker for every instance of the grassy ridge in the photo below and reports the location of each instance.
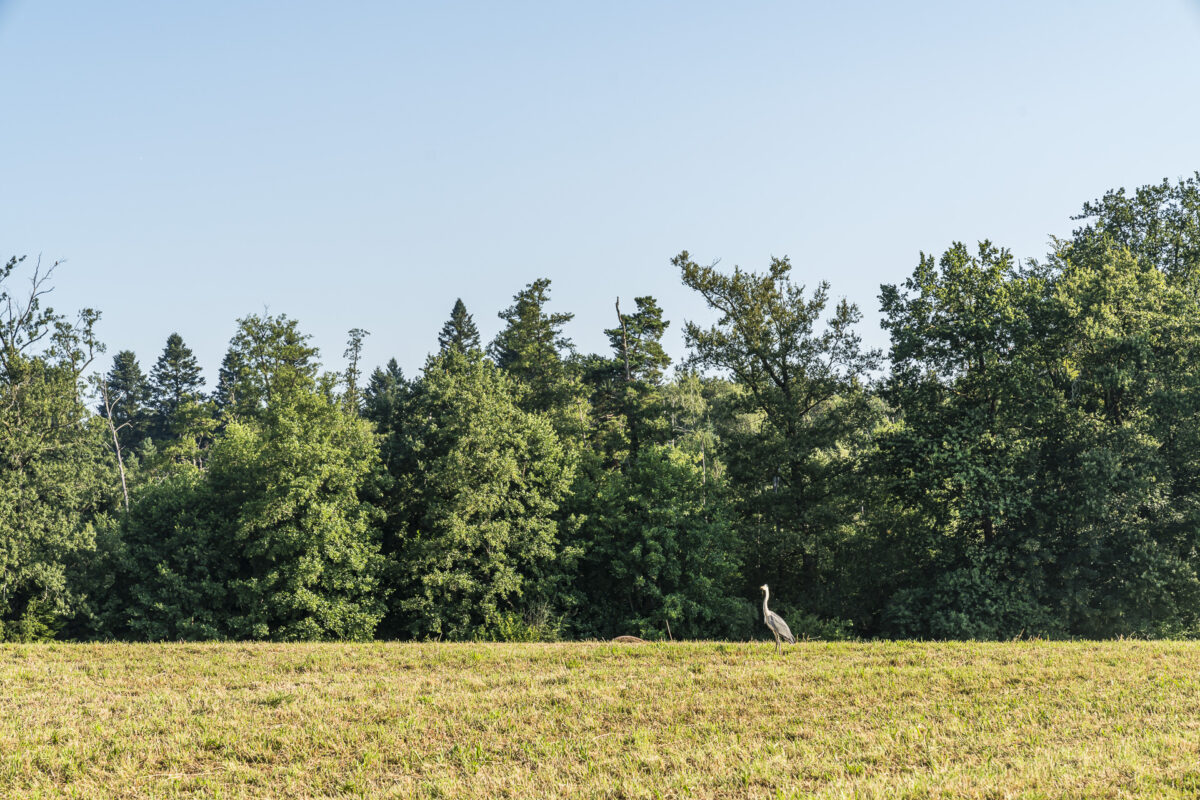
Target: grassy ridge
(1115, 719)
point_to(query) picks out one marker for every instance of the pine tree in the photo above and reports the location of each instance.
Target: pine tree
(638, 341)
(531, 347)
(353, 354)
(629, 385)
(174, 380)
(459, 331)
(797, 473)
(384, 400)
(129, 393)
(225, 396)
(383, 395)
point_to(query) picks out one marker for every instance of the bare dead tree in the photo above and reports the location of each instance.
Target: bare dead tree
(113, 429)
(23, 321)
(624, 341)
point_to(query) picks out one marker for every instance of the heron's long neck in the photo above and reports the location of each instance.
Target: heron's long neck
(766, 594)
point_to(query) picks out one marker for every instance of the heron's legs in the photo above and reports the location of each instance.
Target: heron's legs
(777, 645)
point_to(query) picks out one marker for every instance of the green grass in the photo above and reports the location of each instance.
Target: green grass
(1030, 719)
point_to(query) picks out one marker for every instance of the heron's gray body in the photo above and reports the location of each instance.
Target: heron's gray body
(776, 623)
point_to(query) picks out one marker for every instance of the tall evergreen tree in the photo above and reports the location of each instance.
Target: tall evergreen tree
(174, 380)
(459, 331)
(225, 396)
(531, 346)
(129, 395)
(384, 394)
(353, 354)
(384, 400)
(638, 340)
(629, 393)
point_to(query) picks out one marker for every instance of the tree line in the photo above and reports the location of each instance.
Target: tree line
(1023, 461)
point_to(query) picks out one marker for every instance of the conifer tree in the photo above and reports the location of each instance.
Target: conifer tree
(353, 354)
(225, 395)
(384, 399)
(805, 381)
(634, 396)
(383, 395)
(531, 346)
(638, 341)
(174, 380)
(459, 331)
(129, 393)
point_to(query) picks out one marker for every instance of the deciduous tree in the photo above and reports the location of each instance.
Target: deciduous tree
(480, 481)
(807, 418)
(57, 477)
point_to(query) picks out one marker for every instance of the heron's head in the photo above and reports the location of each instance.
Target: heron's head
(763, 587)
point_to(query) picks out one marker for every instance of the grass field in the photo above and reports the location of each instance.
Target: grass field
(1031, 719)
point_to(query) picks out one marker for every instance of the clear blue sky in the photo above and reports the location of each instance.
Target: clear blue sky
(363, 164)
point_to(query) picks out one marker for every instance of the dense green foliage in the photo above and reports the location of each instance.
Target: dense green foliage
(269, 541)
(1024, 461)
(56, 477)
(806, 419)
(476, 482)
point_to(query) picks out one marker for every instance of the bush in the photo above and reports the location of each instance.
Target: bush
(535, 625)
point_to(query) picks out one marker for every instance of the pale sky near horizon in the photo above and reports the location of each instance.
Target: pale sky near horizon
(364, 164)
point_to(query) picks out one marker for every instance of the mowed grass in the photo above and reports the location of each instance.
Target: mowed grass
(596, 720)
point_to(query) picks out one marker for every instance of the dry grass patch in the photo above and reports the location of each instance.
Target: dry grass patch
(1115, 719)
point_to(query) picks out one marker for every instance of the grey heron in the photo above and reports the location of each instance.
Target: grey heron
(775, 622)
